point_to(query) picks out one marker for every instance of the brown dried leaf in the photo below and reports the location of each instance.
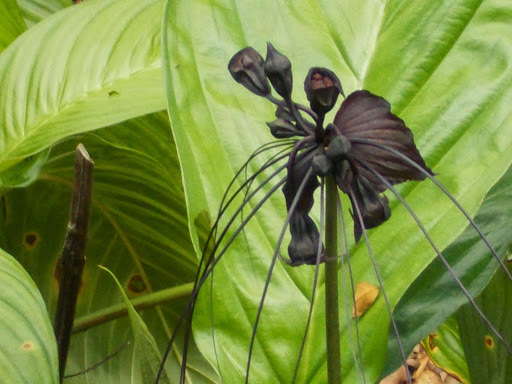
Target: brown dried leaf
(428, 377)
(397, 377)
(365, 296)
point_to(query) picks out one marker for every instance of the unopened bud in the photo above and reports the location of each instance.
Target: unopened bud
(246, 67)
(279, 71)
(322, 88)
(322, 165)
(339, 148)
(282, 129)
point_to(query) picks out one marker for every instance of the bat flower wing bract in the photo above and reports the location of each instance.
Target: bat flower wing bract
(364, 120)
(365, 116)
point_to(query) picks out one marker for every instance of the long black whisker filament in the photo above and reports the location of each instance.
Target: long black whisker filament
(191, 302)
(346, 257)
(443, 259)
(209, 265)
(445, 191)
(271, 268)
(221, 212)
(315, 281)
(224, 205)
(358, 216)
(277, 156)
(247, 183)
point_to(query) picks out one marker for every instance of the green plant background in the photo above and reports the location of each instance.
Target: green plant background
(144, 86)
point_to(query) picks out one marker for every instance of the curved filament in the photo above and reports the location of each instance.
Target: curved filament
(359, 217)
(206, 265)
(445, 191)
(206, 272)
(443, 260)
(271, 268)
(358, 360)
(315, 281)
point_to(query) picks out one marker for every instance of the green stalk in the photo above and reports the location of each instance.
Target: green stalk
(332, 325)
(118, 310)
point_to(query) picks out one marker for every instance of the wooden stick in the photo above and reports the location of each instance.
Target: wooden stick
(72, 260)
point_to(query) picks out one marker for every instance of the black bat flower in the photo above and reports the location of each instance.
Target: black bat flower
(345, 149)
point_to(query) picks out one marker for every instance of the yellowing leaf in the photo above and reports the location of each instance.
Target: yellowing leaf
(366, 294)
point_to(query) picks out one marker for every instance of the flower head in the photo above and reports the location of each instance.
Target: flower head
(349, 150)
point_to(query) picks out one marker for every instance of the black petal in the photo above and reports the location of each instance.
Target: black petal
(282, 128)
(363, 115)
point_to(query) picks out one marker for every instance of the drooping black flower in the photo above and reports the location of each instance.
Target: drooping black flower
(322, 89)
(305, 241)
(347, 150)
(246, 67)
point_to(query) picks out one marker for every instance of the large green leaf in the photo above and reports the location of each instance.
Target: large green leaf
(77, 70)
(445, 68)
(83, 68)
(138, 230)
(145, 344)
(11, 23)
(28, 351)
(34, 11)
(488, 360)
(445, 349)
(471, 261)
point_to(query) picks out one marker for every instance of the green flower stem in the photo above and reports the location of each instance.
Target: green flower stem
(331, 285)
(118, 310)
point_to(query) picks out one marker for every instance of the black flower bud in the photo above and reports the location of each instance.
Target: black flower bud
(246, 67)
(322, 88)
(322, 165)
(339, 148)
(305, 242)
(279, 71)
(374, 208)
(282, 129)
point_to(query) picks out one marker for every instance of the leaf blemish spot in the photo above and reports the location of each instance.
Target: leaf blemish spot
(489, 342)
(31, 240)
(27, 346)
(113, 93)
(136, 284)
(432, 341)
